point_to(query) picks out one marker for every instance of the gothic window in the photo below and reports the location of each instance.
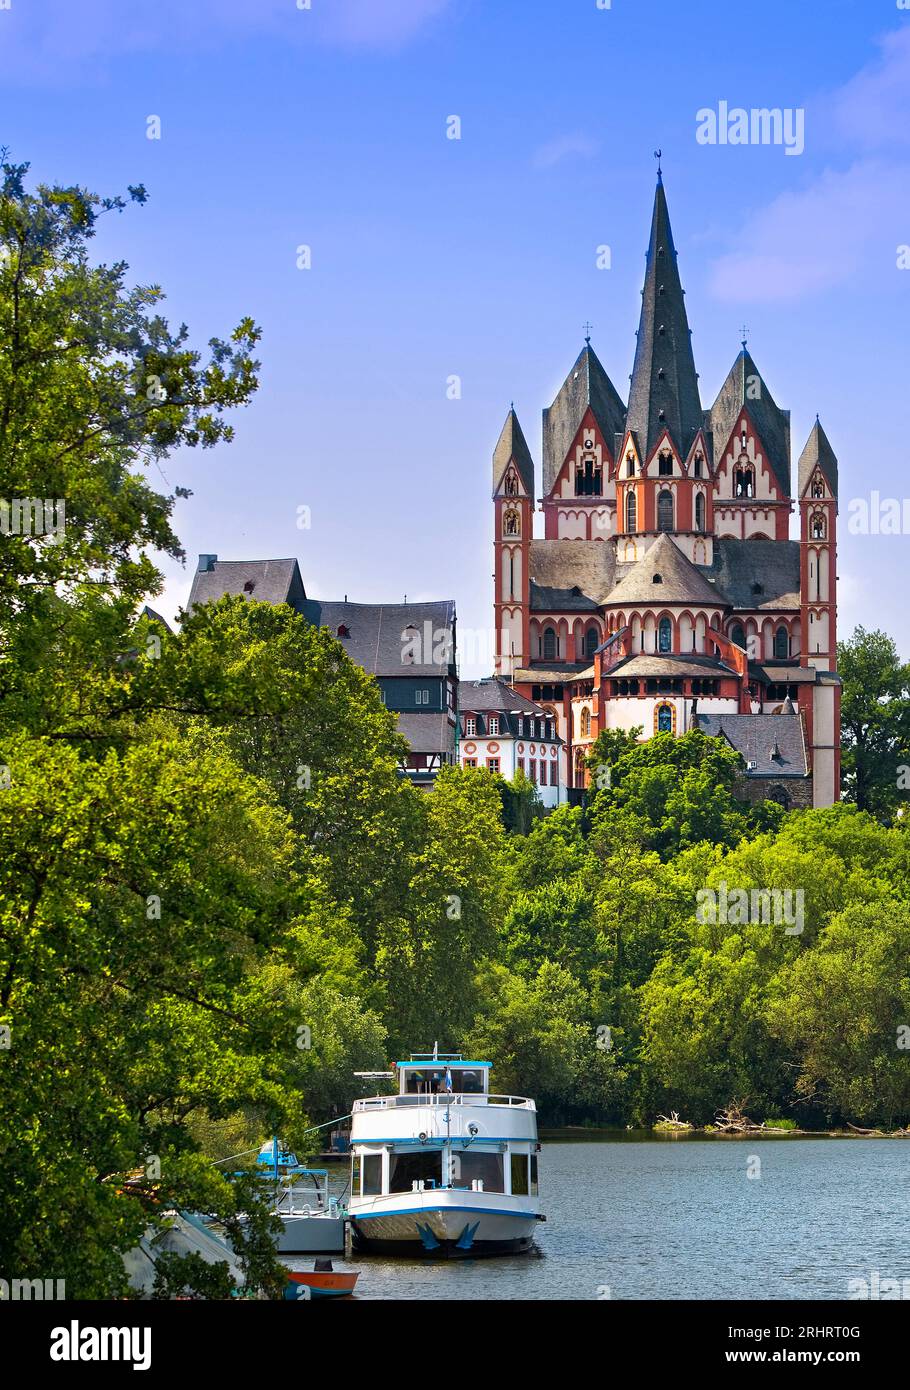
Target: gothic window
(818, 488)
(631, 511)
(665, 719)
(549, 644)
(665, 466)
(737, 635)
(696, 467)
(664, 635)
(744, 481)
(781, 644)
(512, 524)
(630, 465)
(592, 641)
(665, 511)
(586, 723)
(700, 511)
(818, 527)
(511, 485)
(588, 478)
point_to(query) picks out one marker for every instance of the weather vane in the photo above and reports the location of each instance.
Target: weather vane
(658, 155)
(745, 337)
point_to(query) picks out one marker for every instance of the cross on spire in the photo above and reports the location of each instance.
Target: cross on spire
(745, 338)
(658, 155)
(587, 327)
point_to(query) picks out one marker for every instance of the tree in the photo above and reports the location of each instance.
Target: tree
(875, 722)
(844, 1010)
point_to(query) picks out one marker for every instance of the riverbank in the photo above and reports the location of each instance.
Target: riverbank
(608, 1133)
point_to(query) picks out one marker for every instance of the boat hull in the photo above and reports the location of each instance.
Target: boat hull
(444, 1233)
(306, 1284)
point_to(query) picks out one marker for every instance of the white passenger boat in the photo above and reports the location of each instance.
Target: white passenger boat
(444, 1168)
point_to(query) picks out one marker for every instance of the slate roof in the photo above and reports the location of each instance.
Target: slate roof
(513, 445)
(495, 695)
(755, 735)
(559, 568)
(817, 453)
(663, 374)
(428, 732)
(271, 581)
(653, 664)
(680, 580)
(772, 424)
(375, 638)
(739, 565)
(586, 385)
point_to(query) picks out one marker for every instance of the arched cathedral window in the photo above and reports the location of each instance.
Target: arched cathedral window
(511, 486)
(744, 481)
(665, 511)
(738, 635)
(631, 511)
(664, 635)
(592, 641)
(588, 478)
(781, 644)
(818, 488)
(512, 524)
(549, 644)
(818, 527)
(665, 719)
(700, 511)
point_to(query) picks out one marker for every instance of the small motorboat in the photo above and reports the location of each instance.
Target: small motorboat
(322, 1281)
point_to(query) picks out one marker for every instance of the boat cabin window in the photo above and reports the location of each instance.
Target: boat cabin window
(372, 1175)
(533, 1175)
(470, 1165)
(355, 1174)
(424, 1165)
(519, 1175)
(432, 1081)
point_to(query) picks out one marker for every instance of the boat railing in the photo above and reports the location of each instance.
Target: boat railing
(465, 1099)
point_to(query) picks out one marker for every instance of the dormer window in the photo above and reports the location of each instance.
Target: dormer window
(470, 726)
(657, 579)
(249, 586)
(493, 725)
(758, 588)
(343, 630)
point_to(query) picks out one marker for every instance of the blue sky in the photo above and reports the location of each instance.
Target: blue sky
(477, 257)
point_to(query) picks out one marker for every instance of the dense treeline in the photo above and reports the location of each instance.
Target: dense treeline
(218, 899)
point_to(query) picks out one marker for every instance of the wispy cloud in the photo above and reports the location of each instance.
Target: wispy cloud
(577, 146)
(43, 42)
(847, 221)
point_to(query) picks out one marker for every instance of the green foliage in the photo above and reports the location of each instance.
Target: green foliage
(875, 722)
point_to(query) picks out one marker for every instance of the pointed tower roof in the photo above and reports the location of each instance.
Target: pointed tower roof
(817, 454)
(587, 385)
(664, 390)
(512, 447)
(745, 386)
(665, 575)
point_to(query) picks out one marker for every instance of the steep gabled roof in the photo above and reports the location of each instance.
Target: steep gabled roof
(664, 389)
(512, 446)
(817, 454)
(268, 581)
(665, 575)
(494, 695)
(382, 637)
(587, 385)
(757, 736)
(745, 387)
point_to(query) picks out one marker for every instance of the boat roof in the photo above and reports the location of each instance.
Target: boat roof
(419, 1060)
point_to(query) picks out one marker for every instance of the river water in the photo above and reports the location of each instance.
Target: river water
(635, 1218)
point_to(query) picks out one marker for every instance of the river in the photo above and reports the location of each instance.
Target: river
(646, 1218)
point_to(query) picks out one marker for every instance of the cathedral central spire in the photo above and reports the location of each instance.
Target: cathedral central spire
(664, 390)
